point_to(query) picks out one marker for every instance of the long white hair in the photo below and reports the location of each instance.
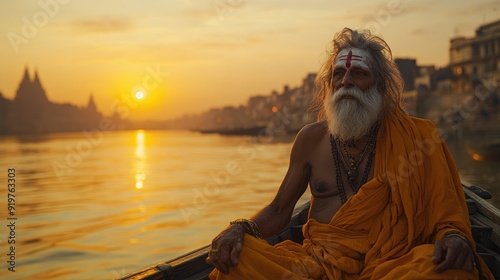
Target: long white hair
(388, 79)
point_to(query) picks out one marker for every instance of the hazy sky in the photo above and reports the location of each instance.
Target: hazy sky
(190, 55)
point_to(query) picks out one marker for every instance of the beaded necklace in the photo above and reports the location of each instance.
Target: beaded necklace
(352, 168)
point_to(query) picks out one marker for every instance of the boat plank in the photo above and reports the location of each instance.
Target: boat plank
(495, 232)
(484, 207)
(491, 258)
(192, 266)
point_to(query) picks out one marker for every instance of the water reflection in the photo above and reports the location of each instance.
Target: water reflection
(124, 201)
(477, 157)
(475, 165)
(140, 159)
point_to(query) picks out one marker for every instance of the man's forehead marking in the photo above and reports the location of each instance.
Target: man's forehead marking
(350, 57)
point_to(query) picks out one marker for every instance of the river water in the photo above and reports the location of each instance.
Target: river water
(474, 170)
(104, 204)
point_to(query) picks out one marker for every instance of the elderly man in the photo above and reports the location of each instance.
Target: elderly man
(386, 203)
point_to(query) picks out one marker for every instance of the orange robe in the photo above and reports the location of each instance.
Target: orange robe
(387, 230)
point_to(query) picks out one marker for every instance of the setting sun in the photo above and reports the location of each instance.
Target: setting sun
(139, 95)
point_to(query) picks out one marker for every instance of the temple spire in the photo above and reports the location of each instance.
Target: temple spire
(91, 104)
(24, 86)
(26, 79)
(37, 89)
(36, 80)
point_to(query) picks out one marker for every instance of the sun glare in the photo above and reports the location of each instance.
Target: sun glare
(139, 95)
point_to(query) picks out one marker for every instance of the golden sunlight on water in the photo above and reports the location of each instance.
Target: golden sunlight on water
(131, 198)
(140, 162)
(136, 198)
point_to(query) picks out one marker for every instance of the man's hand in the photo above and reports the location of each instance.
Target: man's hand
(226, 248)
(453, 252)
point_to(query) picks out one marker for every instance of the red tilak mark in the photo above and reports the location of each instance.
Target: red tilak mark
(348, 61)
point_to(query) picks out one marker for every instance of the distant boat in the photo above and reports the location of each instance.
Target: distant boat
(484, 217)
(253, 131)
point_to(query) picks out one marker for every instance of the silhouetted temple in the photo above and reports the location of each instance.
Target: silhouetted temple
(30, 92)
(32, 112)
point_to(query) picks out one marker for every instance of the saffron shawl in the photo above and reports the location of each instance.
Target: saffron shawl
(387, 230)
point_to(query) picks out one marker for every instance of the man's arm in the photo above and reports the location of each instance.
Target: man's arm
(274, 217)
(445, 205)
(227, 245)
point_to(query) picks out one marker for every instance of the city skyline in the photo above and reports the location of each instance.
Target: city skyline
(189, 56)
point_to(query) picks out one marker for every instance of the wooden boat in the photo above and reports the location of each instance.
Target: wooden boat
(485, 221)
(252, 131)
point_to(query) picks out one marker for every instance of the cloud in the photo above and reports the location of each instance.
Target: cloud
(101, 25)
(418, 31)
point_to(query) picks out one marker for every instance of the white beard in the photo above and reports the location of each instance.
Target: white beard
(351, 119)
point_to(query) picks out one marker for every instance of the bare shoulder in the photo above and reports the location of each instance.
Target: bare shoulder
(315, 127)
(311, 134)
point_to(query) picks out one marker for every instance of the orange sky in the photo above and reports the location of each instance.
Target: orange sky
(190, 55)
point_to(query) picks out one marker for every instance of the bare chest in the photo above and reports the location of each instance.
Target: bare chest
(329, 181)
